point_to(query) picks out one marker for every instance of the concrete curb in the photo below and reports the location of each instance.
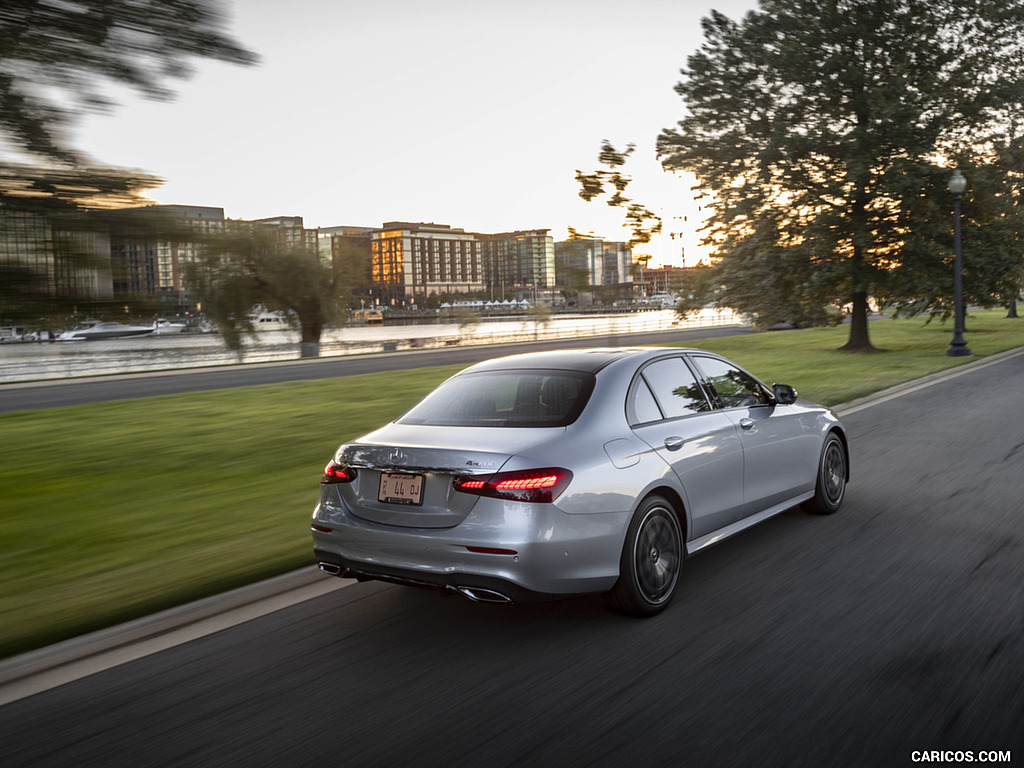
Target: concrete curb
(847, 409)
(54, 665)
(37, 671)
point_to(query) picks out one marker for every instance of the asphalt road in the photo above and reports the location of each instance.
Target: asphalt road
(54, 394)
(893, 627)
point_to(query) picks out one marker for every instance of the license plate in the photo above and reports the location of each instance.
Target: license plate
(400, 488)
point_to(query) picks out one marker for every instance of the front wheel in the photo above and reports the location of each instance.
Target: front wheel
(651, 558)
(830, 488)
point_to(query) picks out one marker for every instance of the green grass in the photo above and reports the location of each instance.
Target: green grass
(116, 510)
(909, 349)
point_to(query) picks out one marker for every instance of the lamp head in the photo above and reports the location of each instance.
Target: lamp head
(957, 184)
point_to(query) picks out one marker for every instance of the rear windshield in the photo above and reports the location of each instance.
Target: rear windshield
(505, 399)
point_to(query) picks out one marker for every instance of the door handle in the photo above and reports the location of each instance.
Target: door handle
(674, 443)
(747, 423)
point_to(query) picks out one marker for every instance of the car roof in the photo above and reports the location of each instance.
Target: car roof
(589, 360)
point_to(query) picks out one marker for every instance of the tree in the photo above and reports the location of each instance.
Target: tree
(352, 261)
(249, 266)
(540, 315)
(57, 57)
(825, 133)
(570, 271)
(642, 221)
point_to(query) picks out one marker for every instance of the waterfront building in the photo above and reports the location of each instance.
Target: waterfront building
(593, 261)
(150, 265)
(291, 232)
(518, 262)
(349, 251)
(55, 256)
(415, 260)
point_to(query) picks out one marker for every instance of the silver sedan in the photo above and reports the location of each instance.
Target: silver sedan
(556, 473)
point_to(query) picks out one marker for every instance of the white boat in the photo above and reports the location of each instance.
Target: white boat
(99, 331)
(162, 327)
(269, 321)
(11, 333)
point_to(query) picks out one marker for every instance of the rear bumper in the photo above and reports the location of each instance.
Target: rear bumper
(484, 589)
(550, 552)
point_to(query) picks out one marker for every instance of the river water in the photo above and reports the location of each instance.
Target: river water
(58, 360)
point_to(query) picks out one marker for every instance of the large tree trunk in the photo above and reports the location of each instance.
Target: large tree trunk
(1012, 312)
(859, 340)
(309, 342)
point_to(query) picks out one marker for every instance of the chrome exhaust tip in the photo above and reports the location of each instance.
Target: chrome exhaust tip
(331, 568)
(481, 595)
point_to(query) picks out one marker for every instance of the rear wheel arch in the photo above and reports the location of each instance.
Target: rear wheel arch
(670, 495)
(652, 554)
(846, 447)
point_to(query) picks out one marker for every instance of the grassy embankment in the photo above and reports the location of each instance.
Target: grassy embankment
(115, 510)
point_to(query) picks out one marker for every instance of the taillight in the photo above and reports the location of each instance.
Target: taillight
(337, 473)
(536, 485)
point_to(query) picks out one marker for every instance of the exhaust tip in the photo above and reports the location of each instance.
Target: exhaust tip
(331, 568)
(481, 595)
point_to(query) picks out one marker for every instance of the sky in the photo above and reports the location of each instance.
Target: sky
(471, 113)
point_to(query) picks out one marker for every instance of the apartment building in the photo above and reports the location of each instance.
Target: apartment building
(513, 261)
(592, 261)
(60, 260)
(349, 251)
(291, 232)
(411, 260)
(150, 265)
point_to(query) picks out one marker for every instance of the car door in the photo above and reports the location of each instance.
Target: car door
(670, 412)
(780, 452)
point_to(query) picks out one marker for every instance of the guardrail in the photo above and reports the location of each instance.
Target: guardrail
(60, 360)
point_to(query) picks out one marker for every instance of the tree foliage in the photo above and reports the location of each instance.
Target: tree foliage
(825, 132)
(58, 58)
(612, 183)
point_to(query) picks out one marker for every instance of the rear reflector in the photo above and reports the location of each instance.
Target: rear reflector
(492, 551)
(534, 485)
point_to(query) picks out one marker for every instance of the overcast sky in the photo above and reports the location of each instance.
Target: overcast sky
(470, 113)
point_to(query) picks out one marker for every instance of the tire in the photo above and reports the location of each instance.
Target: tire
(830, 489)
(651, 559)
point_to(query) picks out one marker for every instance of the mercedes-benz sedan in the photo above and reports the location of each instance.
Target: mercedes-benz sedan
(557, 473)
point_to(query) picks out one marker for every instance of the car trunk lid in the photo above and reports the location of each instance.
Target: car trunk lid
(404, 473)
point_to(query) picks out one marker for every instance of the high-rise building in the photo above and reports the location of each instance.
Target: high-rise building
(349, 251)
(151, 265)
(291, 232)
(592, 261)
(516, 260)
(413, 260)
(55, 257)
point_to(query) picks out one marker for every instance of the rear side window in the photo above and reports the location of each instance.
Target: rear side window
(505, 399)
(675, 388)
(642, 405)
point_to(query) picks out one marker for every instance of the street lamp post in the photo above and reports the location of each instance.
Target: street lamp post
(957, 347)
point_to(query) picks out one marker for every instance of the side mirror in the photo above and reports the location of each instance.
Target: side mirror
(784, 394)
